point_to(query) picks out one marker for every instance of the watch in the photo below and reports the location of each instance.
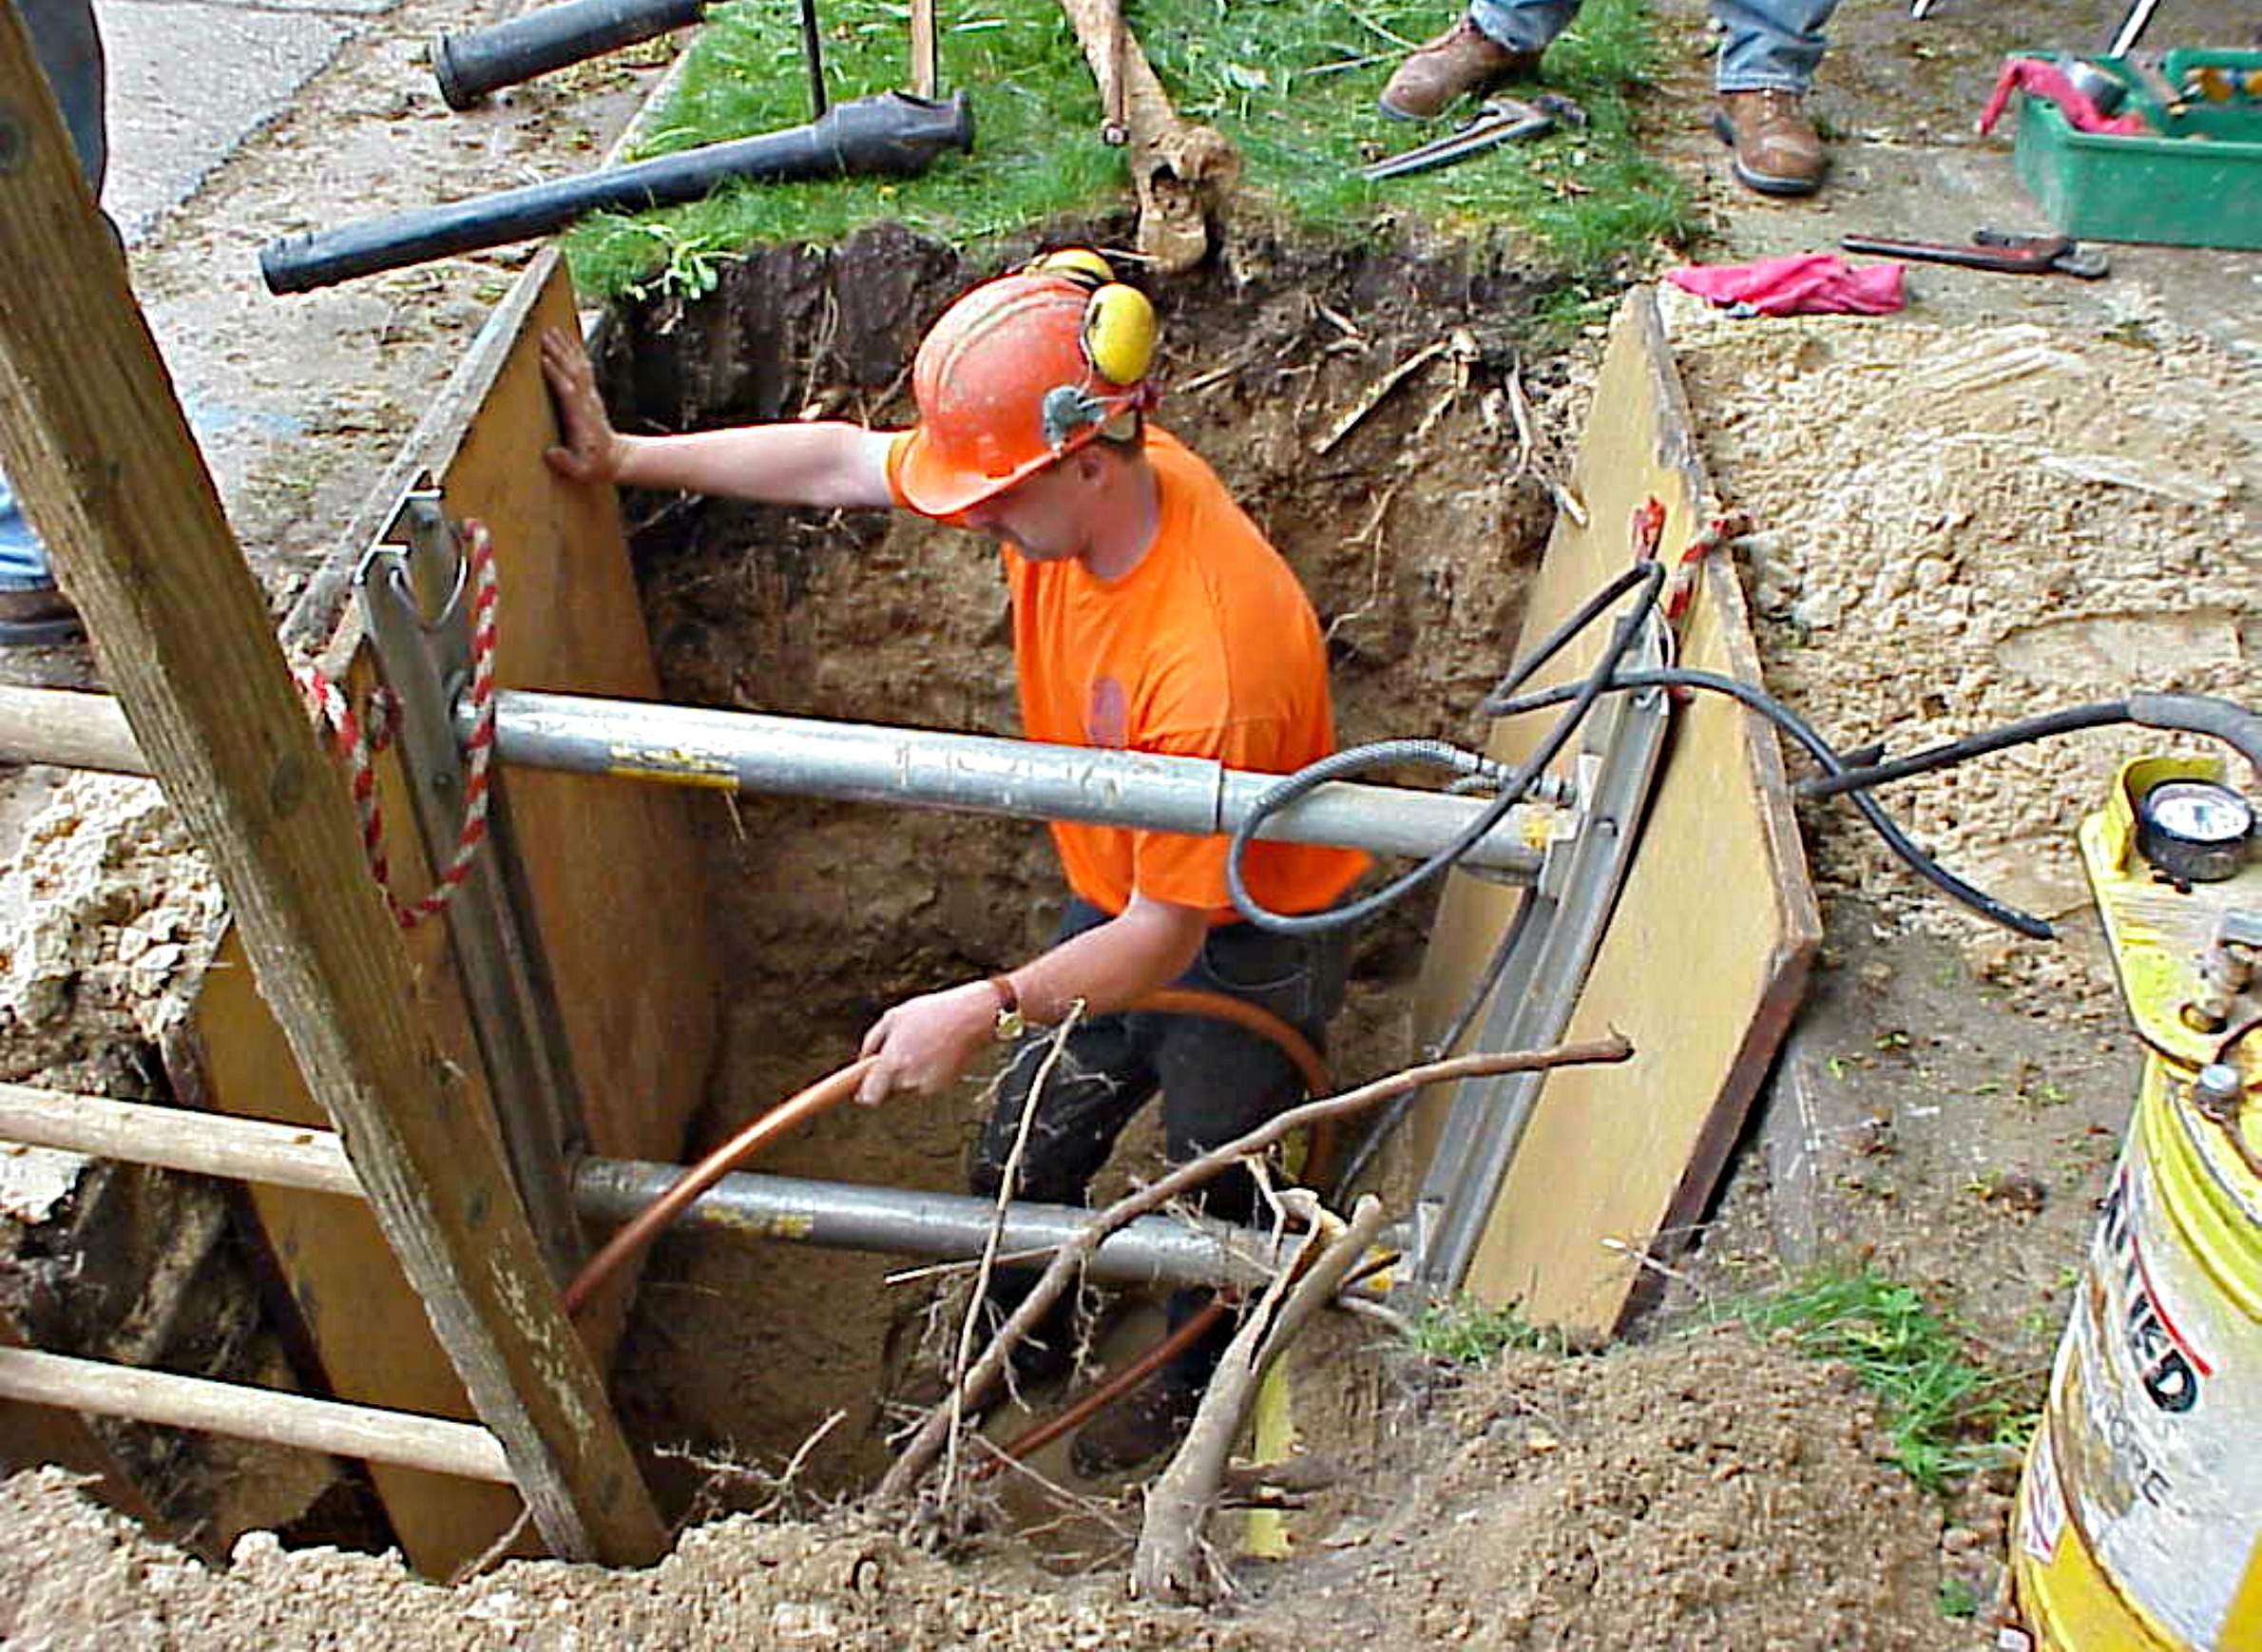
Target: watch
(1011, 1023)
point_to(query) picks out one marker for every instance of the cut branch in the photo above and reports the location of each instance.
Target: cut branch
(1167, 1566)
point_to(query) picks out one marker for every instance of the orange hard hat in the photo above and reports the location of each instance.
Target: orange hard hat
(1007, 381)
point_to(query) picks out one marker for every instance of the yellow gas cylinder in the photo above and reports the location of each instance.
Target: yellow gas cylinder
(2139, 1516)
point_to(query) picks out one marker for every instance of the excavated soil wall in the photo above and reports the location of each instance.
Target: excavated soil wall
(1414, 529)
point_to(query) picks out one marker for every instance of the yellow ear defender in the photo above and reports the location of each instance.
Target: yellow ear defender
(1119, 334)
(1119, 327)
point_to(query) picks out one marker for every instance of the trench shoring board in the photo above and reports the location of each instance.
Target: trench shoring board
(1708, 949)
(615, 875)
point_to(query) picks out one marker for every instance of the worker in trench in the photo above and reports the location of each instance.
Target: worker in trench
(1149, 614)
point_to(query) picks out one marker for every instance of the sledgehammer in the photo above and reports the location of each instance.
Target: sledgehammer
(891, 134)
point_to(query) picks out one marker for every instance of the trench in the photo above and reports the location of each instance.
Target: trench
(1413, 533)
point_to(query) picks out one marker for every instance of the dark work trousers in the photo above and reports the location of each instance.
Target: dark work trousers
(1218, 1081)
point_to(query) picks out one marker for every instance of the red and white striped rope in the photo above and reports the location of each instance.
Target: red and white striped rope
(356, 743)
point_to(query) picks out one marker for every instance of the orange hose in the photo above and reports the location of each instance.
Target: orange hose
(788, 1115)
(1107, 1393)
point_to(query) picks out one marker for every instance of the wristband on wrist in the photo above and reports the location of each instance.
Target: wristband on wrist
(1011, 1023)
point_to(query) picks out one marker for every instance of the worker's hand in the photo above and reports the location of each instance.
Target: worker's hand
(923, 1042)
(592, 448)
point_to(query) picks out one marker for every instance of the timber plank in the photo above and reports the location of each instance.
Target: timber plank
(1709, 947)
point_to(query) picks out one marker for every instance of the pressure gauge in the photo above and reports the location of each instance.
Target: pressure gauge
(2195, 831)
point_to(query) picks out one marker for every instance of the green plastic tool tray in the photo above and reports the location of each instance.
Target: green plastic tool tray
(2197, 182)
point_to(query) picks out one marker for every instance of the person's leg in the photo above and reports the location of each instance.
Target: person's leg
(1219, 1080)
(70, 53)
(1493, 41)
(1102, 1076)
(1769, 53)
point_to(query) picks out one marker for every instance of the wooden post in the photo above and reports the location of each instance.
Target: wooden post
(98, 450)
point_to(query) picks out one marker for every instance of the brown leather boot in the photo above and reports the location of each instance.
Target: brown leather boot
(1778, 151)
(1462, 61)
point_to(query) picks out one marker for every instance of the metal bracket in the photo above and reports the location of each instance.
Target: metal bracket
(1620, 748)
(410, 587)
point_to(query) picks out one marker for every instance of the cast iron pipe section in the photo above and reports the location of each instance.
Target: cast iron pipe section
(843, 1216)
(473, 64)
(894, 134)
(980, 774)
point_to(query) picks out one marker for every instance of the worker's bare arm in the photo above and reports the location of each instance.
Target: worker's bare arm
(826, 465)
(923, 1042)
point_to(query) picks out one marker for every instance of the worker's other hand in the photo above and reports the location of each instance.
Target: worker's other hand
(923, 1042)
(591, 449)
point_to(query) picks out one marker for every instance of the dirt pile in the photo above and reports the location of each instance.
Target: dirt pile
(1700, 1491)
(111, 908)
(1956, 526)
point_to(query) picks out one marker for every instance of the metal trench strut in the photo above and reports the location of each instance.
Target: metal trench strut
(1556, 936)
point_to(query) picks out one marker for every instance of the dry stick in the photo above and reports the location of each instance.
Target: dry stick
(1376, 391)
(1179, 1503)
(996, 1236)
(919, 1455)
(1565, 501)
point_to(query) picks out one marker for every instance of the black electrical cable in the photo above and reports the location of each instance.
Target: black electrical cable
(1822, 752)
(2102, 715)
(1356, 759)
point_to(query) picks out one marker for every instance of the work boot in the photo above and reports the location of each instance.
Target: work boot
(1135, 1430)
(33, 613)
(1778, 151)
(1460, 63)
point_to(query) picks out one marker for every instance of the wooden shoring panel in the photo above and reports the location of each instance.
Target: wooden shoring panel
(96, 442)
(1708, 949)
(615, 872)
(615, 876)
(363, 1319)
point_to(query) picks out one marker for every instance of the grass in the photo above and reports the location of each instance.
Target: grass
(1292, 83)
(1945, 1413)
(1467, 1332)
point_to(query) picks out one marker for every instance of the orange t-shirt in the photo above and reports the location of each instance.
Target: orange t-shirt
(1207, 649)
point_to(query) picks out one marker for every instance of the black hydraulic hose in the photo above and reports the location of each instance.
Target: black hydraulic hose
(892, 134)
(2227, 721)
(2102, 715)
(1358, 758)
(473, 64)
(1552, 644)
(2224, 720)
(2010, 917)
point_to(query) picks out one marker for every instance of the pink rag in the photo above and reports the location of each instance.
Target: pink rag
(1807, 284)
(2037, 79)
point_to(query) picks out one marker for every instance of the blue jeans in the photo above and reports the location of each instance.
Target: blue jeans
(69, 52)
(1771, 45)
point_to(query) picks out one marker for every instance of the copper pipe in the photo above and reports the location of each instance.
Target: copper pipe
(1100, 1398)
(1309, 1061)
(788, 1115)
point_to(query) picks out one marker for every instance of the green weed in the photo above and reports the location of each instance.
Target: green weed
(1946, 1414)
(1958, 1599)
(1465, 1331)
(1292, 85)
